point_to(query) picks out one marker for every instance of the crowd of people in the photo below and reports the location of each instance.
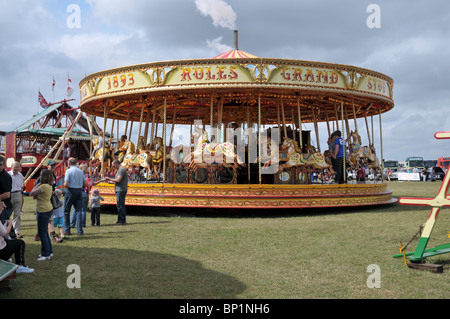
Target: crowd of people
(55, 217)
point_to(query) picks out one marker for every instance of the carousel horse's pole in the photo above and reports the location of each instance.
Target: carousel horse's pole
(347, 125)
(259, 136)
(117, 134)
(152, 133)
(91, 136)
(147, 119)
(249, 143)
(173, 125)
(126, 124)
(105, 119)
(367, 124)
(293, 125)
(112, 131)
(164, 139)
(316, 128)
(343, 141)
(300, 125)
(381, 147)
(328, 123)
(354, 119)
(141, 118)
(219, 121)
(131, 129)
(283, 118)
(211, 122)
(337, 118)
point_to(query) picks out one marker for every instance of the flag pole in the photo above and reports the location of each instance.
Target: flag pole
(53, 88)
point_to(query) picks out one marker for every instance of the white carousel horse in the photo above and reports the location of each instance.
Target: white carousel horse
(204, 151)
(295, 158)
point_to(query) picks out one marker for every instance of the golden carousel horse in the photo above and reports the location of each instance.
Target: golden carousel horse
(156, 153)
(142, 158)
(357, 152)
(125, 149)
(296, 158)
(103, 154)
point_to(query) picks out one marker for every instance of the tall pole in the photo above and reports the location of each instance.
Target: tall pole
(381, 146)
(343, 141)
(259, 137)
(164, 139)
(300, 125)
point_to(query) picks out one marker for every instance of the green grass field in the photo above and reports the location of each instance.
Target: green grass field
(177, 254)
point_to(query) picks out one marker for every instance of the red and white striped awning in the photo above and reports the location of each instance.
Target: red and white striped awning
(235, 54)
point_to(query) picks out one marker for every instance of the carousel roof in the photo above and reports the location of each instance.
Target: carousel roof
(236, 82)
(233, 54)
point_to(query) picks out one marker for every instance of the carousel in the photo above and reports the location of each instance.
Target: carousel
(241, 120)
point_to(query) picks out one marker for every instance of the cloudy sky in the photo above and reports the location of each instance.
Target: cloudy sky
(406, 40)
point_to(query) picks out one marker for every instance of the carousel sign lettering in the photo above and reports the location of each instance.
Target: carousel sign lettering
(203, 74)
(307, 75)
(209, 73)
(310, 75)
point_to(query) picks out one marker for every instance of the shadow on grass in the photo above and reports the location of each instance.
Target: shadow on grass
(259, 213)
(117, 273)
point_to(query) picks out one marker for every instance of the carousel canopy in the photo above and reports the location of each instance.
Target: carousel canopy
(235, 54)
(242, 86)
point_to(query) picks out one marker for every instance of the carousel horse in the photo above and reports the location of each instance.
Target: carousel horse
(156, 153)
(205, 151)
(125, 148)
(103, 154)
(296, 158)
(142, 158)
(357, 152)
(273, 155)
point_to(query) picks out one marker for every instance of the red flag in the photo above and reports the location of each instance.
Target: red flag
(69, 86)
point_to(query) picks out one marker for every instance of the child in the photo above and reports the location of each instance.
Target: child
(95, 207)
(58, 219)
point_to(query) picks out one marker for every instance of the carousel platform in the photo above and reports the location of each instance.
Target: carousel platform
(252, 196)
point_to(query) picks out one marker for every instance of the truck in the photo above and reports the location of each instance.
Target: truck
(415, 162)
(444, 163)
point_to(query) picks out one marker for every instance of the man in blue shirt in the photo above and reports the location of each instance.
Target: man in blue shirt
(338, 156)
(74, 182)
